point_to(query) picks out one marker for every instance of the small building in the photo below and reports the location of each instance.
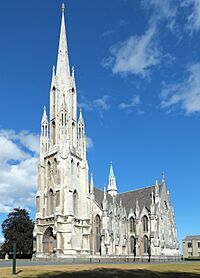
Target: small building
(191, 247)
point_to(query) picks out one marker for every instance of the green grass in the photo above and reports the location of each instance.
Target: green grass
(109, 270)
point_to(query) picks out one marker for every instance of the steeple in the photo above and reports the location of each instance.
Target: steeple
(44, 134)
(112, 186)
(63, 68)
(163, 177)
(111, 174)
(44, 116)
(80, 120)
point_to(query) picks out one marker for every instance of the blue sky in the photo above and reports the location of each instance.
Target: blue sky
(137, 67)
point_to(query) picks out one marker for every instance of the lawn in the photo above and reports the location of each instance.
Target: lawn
(106, 270)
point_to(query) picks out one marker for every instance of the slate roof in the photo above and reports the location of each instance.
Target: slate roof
(129, 198)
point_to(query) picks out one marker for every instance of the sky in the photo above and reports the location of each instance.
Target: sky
(137, 67)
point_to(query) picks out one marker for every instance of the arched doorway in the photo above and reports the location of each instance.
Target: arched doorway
(49, 241)
(97, 230)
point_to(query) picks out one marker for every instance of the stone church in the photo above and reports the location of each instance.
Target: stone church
(73, 217)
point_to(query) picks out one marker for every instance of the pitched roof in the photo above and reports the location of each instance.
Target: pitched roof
(143, 196)
(129, 198)
(197, 237)
(98, 196)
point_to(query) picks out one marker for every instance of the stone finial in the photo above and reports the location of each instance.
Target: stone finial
(91, 184)
(63, 7)
(163, 177)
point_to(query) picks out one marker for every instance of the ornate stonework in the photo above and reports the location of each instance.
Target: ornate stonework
(73, 217)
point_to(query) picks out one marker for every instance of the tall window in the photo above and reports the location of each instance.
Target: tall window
(133, 245)
(75, 202)
(73, 134)
(37, 203)
(51, 202)
(145, 223)
(132, 225)
(145, 244)
(53, 133)
(58, 198)
(97, 229)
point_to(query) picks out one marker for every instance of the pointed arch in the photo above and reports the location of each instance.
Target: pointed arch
(53, 132)
(145, 223)
(132, 225)
(75, 203)
(97, 231)
(49, 241)
(133, 245)
(51, 201)
(145, 244)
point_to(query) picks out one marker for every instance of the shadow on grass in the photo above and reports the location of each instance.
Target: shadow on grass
(103, 272)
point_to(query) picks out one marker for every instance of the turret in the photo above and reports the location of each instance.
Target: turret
(81, 136)
(44, 139)
(91, 185)
(156, 191)
(105, 201)
(112, 186)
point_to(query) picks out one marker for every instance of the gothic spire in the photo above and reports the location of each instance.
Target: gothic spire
(81, 116)
(163, 177)
(44, 116)
(112, 186)
(111, 174)
(63, 68)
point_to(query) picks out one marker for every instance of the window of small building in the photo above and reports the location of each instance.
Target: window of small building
(189, 244)
(198, 244)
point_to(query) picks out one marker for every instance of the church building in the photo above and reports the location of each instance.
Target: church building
(74, 218)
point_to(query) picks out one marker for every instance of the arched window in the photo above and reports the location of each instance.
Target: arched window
(133, 245)
(78, 169)
(75, 203)
(97, 230)
(145, 223)
(49, 169)
(51, 202)
(73, 134)
(79, 131)
(132, 225)
(145, 244)
(38, 204)
(72, 166)
(53, 133)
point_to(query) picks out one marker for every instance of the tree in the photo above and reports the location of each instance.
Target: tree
(19, 227)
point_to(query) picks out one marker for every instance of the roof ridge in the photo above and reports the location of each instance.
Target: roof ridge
(137, 189)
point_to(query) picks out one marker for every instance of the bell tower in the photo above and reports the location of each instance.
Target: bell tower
(62, 200)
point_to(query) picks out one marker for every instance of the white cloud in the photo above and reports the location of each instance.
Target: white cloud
(184, 95)
(135, 100)
(193, 19)
(9, 150)
(18, 167)
(90, 143)
(100, 104)
(135, 55)
(30, 141)
(162, 10)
